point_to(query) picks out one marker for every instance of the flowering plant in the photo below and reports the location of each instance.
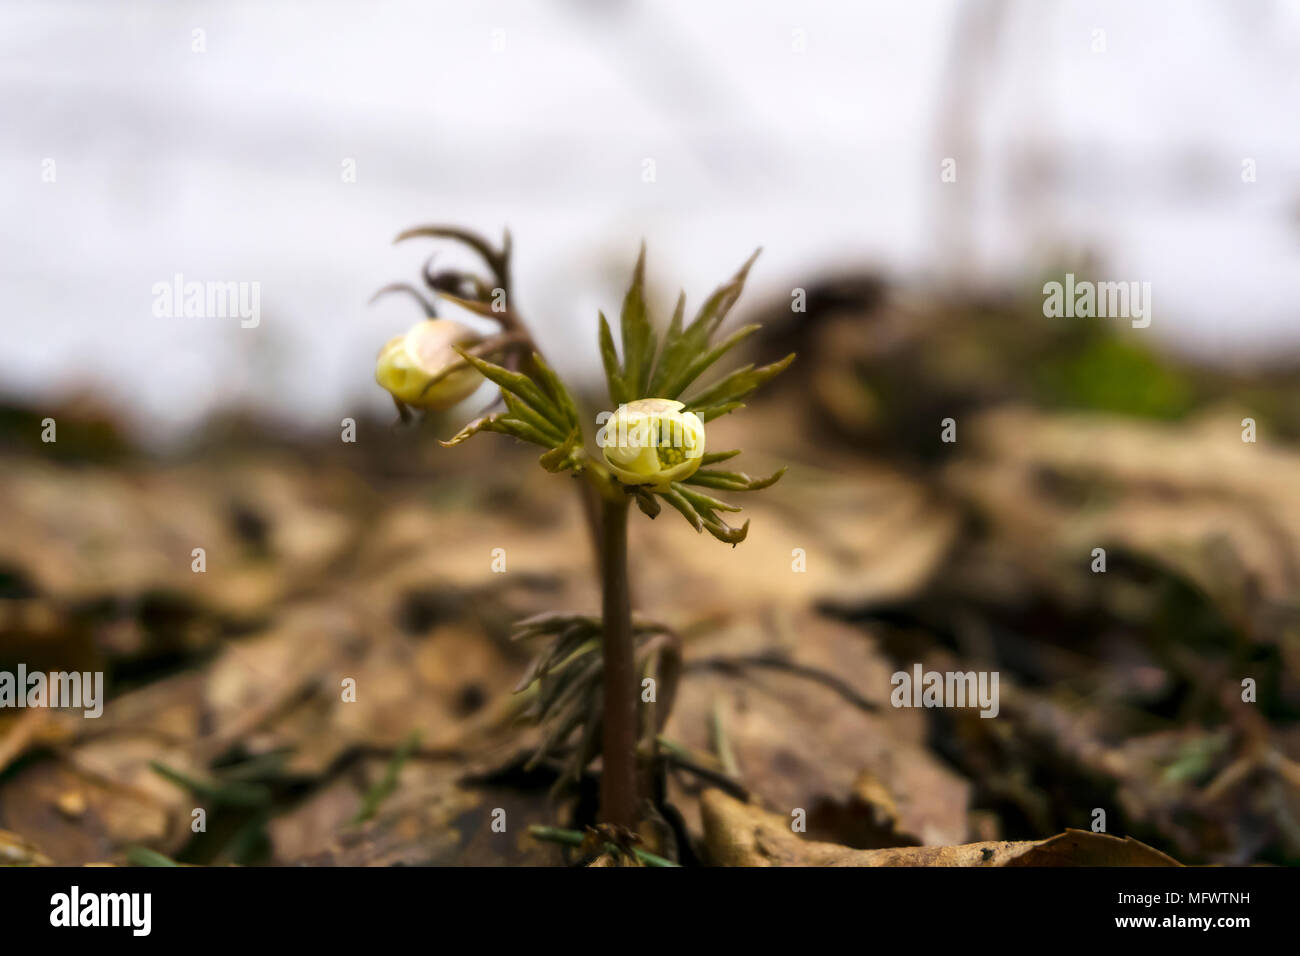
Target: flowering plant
(651, 447)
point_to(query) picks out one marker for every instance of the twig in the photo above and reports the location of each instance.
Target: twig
(682, 759)
(736, 664)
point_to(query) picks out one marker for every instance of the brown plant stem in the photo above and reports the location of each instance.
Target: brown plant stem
(605, 509)
(618, 787)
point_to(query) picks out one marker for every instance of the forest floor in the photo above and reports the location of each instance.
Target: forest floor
(335, 686)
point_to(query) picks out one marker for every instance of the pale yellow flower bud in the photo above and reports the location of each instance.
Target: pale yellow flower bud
(408, 364)
(652, 442)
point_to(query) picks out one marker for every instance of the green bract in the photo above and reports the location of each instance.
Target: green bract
(422, 368)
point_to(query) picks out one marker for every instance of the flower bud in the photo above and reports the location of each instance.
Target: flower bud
(652, 442)
(408, 364)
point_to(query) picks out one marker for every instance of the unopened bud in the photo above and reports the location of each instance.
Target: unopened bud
(409, 364)
(653, 442)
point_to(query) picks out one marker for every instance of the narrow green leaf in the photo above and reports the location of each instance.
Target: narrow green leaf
(609, 358)
(733, 480)
(525, 413)
(696, 367)
(504, 424)
(717, 305)
(473, 428)
(521, 430)
(676, 499)
(679, 351)
(738, 384)
(551, 622)
(638, 334)
(703, 503)
(679, 313)
(520, 384)
(661, 371)
(556, 389)
(711, 412)
(712, 458)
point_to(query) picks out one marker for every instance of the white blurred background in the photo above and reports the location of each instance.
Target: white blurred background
(814, 129)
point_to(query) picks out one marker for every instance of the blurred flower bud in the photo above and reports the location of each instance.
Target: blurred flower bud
(408, 364)
(653, 442)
